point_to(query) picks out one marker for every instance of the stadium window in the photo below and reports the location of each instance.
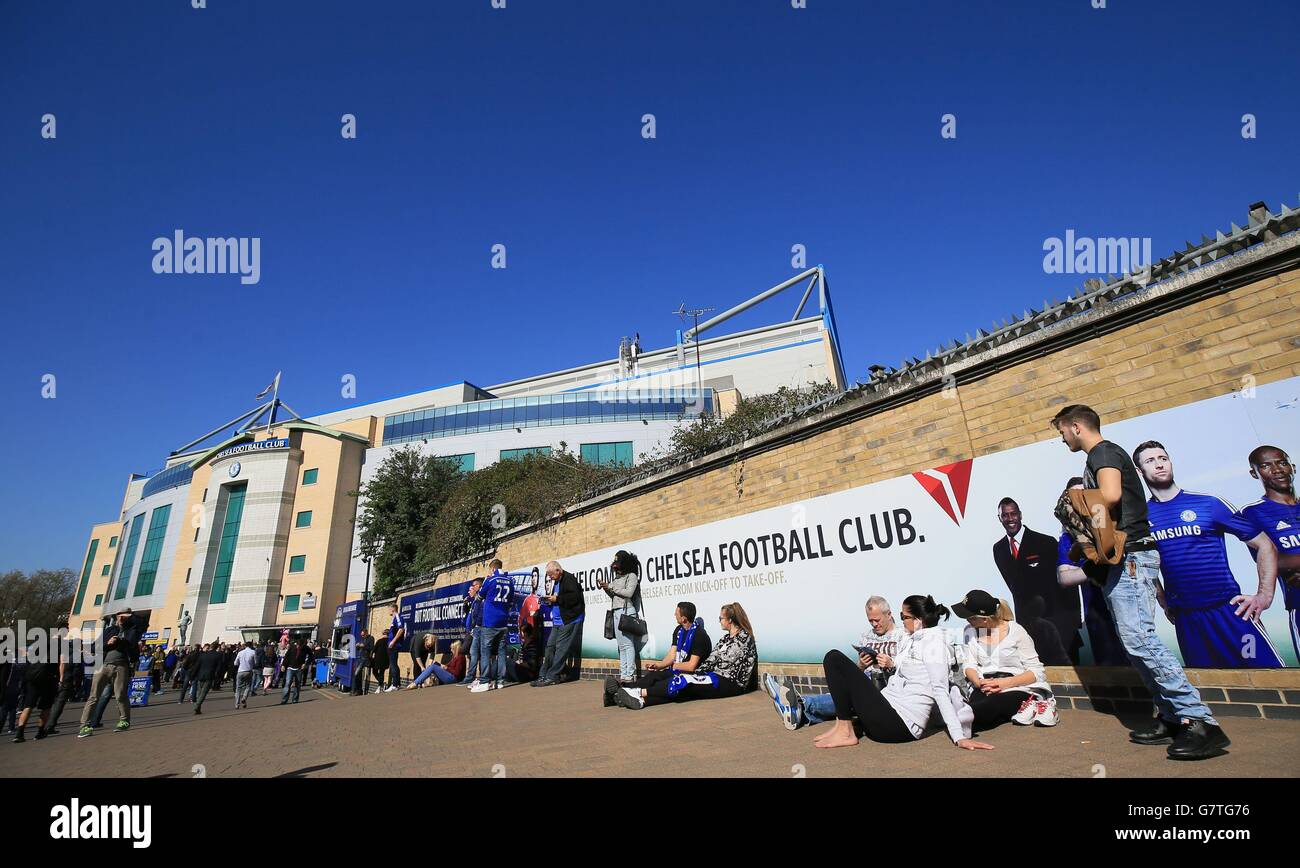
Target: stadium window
(607, 454)
(465, 461)
(516, 454)
(196, 534)
(304, 519)
(297, 563)
(105, 570)
(112, 543)
(291, 603)
(99, 599)
(205, 496)
(309, 476)
(187, 578)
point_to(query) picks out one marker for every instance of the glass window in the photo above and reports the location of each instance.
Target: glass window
(297, 563)
(304, 519)
(229, 537)
(309, 476)
(99, 599)
(291, 603)
(105, 570)
(112, 543)
(152, 550)
(128, 561)
(608, 454)
(85, 576)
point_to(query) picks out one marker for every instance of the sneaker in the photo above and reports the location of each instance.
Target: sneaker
(611, 686)
(53, 730)
(1198, 740)
(389, 689)
(1045, 713)
(1028, 710)
(122, 726)
(786, 700)
(630, 698)
(19, 738)
(481, 687)
(500, 685)
(545, 682)
(85, 732)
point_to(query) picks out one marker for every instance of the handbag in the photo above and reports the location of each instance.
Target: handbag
(631, 625)
(609, 624)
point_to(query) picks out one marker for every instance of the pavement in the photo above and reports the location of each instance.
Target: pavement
(563, 731)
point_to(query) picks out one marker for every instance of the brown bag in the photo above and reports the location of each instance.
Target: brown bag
(1086, 517)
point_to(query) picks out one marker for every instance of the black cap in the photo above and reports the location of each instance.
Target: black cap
(976, 604)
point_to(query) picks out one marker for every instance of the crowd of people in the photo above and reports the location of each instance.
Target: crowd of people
(908, 677)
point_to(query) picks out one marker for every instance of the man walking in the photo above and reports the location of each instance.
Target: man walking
(1130, 591)
(121, 645)
(245, 672)
(207, 671)
(568, 610)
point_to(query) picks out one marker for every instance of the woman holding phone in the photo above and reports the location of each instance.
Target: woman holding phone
(624, 591)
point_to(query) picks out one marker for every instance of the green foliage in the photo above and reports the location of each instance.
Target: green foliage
(401, 502)
(42, 599)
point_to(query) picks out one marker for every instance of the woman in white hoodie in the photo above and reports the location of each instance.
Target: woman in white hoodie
(919, 686)
(1002, 665)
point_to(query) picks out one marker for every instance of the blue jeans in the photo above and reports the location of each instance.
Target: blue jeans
(437, 673)
(492, 664)
(1131, 595)
(629, 647)
(476, 659)
(290, 683)
(818, 708)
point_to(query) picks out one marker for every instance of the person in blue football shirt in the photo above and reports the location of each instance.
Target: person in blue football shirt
(497, 593)
(1216, 624)
(1278, 515)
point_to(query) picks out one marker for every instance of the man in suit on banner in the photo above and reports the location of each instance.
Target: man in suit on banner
(1027, 561)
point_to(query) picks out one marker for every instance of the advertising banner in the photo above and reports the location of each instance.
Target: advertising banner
(139, 690)
(804, 570)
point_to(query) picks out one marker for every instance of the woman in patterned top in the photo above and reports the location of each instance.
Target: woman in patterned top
(725, 672)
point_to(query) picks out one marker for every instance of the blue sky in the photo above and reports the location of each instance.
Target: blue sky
(522, 126)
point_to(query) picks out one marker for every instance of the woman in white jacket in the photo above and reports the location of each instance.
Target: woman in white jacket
(1002, 665)
(919, 686)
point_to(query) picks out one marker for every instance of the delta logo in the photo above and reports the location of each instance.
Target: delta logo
(948, 486)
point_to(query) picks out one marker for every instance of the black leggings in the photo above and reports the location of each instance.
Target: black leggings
(990, 711)
(856, 696)
(656, 690)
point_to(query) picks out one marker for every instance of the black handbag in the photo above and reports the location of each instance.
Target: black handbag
(631, 625)
(609, 624)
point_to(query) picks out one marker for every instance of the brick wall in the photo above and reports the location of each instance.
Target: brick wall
(1248, 335)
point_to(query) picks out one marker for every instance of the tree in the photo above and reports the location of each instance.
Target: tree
(42, 599)
(401, 501)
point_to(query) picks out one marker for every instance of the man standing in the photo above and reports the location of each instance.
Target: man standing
(397, 634)
(190, 674)
(1027, 561)
(121, 645)
(1217, 625)
(361, 650)
(473, 621)
(1130, 592)
(293, 659)
(1278, 515)
(497, 593)
(568, 610)
(245, 672)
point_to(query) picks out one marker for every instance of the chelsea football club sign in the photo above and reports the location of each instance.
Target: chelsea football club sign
(258, 446)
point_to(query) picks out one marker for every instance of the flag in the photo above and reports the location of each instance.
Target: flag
(275, 385)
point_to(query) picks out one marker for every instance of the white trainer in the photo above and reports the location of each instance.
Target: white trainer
(1047, 714)
(1028, 711)
(481, 687)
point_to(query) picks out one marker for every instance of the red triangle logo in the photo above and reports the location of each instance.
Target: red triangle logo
(958, 474)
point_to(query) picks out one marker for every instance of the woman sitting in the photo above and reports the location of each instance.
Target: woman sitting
(449, 674)
(901, 711)
(727, 671)
(1000, 661)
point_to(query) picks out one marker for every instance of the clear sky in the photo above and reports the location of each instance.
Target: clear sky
(477, 126)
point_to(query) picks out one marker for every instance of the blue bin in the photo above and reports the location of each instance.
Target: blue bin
(322, 671)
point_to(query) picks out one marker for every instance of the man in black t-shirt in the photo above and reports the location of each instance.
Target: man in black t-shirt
(691, 646)
(1130, 591)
